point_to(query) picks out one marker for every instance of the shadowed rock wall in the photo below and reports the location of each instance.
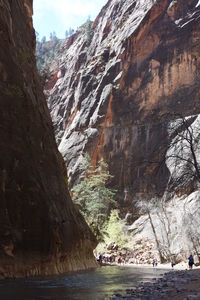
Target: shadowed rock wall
(40, 230)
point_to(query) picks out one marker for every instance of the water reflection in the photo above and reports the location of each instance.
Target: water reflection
(97, 284)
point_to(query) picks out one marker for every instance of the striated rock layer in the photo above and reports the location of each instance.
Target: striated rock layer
(40, 230)
(114, 94)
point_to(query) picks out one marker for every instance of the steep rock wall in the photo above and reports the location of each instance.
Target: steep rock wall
(40, 230)
(115, 97)
(176, 224)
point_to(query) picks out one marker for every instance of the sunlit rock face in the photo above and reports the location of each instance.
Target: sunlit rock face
(176, 225)
(40, 230)
(115, 97)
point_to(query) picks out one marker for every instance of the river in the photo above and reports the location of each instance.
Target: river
(98, 284)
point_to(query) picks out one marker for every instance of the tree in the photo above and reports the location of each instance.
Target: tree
(89, 31)
(43, 40)
(179, 151)
(114, 229)
(93, 197)
(54, 37)
(146, 206)
(37, 36)
(70, 32)
(182, 157)
(66, 33)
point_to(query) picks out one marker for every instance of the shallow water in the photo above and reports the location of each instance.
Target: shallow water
(96, 284)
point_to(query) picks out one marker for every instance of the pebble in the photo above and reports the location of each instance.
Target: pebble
(173, 282)
(192, 297)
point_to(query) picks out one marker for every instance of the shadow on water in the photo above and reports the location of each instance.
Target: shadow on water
(96, 284)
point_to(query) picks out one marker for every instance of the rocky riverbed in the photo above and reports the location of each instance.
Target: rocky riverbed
(176, 285)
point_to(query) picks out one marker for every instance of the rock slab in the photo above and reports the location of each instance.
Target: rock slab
(40, 230)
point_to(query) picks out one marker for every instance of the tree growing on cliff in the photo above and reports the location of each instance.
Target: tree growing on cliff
(183, 155)
(114, 229)
(180, 151)
(37, 36)
(66, 34)
(43, 40)
(70, 32)
(93, 196)
(89, 31)
(53, 36)
(146, 206)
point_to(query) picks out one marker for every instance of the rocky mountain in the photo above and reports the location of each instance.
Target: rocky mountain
(46, 52)
(115, 96)
(41, 232)
(116, 92)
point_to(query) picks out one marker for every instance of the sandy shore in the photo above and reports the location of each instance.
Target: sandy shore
(181, 266)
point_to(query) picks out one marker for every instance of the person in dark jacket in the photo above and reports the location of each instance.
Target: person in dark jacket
(190, 261)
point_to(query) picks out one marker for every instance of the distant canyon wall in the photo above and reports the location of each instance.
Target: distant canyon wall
(113, 95)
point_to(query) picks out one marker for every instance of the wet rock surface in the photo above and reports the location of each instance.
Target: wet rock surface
(40, 230)
(176, 285)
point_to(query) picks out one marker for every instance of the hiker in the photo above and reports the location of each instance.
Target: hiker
(154, 263)
(119, 260)
(100, 259)
(190, 261)
(172, 264)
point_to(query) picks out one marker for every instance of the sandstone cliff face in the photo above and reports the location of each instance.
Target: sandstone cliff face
(115, 97)
(40, 230)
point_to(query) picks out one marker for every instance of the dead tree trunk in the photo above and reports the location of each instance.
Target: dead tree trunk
(162, 260)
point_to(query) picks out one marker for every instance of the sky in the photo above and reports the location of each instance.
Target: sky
(60, 15)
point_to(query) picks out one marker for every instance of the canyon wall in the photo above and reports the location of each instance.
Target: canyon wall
(41, 232)
(113, 93)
